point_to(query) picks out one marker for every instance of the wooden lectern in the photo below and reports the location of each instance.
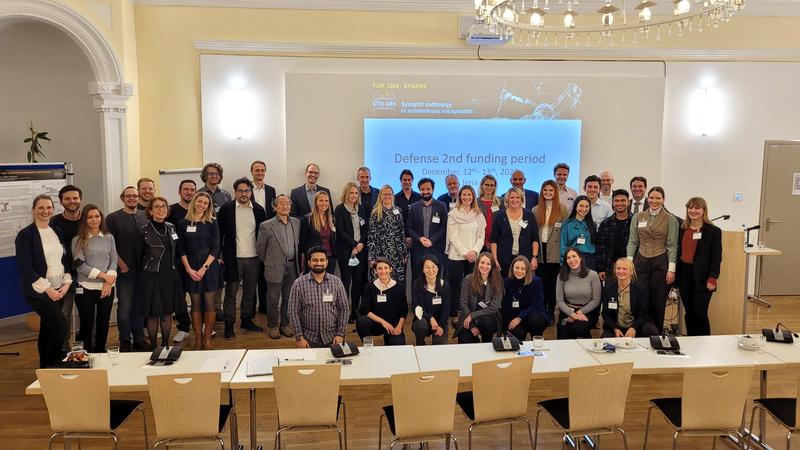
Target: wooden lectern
(727, 309)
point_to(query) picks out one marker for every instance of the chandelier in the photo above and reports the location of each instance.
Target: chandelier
(545, 22)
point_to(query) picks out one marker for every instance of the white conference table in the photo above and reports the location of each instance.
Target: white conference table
(375, 368)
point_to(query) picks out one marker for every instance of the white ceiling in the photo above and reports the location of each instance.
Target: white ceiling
(754, 7)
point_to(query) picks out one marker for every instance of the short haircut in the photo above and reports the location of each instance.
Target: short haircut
(638, 178)
(275, 200)
(313, 250)
(312, 164)
(452, 175)
(425, 180)
(258, 161)
(122, 194)
(204, 172)
(406, 172)
(149, 210)
(364, 169)
(243, 180)
(617, 192)
(144, 180)
(590, 179)
(560, 166)
(180, 186)
(69, 188)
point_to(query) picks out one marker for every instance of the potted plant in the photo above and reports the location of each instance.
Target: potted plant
(36, 146)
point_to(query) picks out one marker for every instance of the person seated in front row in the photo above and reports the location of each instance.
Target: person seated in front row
(523, 308)
(383, 307)
(577, 297)
(481, 292)
(431, 295)
(625, 310)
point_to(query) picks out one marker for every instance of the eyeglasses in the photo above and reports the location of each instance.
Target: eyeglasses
(131, 196)
(243, 191)
(212, 174)
(159, 207)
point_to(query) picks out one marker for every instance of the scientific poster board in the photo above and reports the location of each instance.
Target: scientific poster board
(19, 184)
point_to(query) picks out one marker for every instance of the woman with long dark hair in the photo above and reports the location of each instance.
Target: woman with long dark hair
(384, 307)
(579, 231)
(481, 293)
(429, 302)
(578, 292)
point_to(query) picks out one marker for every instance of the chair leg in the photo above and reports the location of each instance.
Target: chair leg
(536, 429)
(530, 433)
(144, 425)
(446, 443)
(789, 440)
(163, 441)
(469, 436)
(391, 446)
(675, 440)
(624, 438)
(380, 429)
(344, 414)
(647, 427)
(50, 442)
(752, 421)
(511, 436)
(339, 432)
(221, 443)
(455, 441)
(113, 437)
(278, 438)
(714, 443)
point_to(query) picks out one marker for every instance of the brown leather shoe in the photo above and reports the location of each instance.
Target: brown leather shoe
(274, 333)
(286, 330)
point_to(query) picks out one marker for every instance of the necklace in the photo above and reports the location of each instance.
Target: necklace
(156, 229)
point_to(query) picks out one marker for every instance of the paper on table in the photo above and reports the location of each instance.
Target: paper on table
(297, 354)
(635, 348)
(216, 364)
(261, 366)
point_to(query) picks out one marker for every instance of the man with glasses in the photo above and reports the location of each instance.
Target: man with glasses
(67, 222)
(124, 225)
(239, 221)
(302, 197)
(212, 177)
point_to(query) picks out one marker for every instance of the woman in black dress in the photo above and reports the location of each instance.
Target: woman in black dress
(198, 250)
(160, 287)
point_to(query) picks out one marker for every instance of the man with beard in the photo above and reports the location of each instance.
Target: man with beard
(177, 212)
(70, 198)
(426, 227)
(612, 236)
(318, 304)
(147, 190)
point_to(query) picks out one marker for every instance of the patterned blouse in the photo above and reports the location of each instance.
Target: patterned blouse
(387, 239)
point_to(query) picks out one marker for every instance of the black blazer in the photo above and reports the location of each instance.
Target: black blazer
(373, 197)
(437, 231)
(345, 242)
(707, 255)
(501, 235)
(639, 305)
(30, 259)
(309, 236)
(269, 197)
(300, 205)
(227, 235)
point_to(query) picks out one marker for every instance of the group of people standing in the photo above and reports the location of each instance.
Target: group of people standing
(479, 262)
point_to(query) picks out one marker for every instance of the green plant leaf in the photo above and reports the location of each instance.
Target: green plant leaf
(27, 140)
(45, 138)
(29, 157)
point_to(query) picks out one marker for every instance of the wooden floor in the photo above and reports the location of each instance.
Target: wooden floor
(24, 421)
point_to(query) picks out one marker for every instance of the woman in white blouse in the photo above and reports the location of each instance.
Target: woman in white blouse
(466, 229)
(44, 280)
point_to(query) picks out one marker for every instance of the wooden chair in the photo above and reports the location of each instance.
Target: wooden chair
(423, 404)
(308, 400)
(783, 410)
(712, 403)
(499, 395)
(595, 406)
(187, 409)
(79, 405)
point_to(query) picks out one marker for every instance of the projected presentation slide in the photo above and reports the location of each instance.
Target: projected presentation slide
(470, 149)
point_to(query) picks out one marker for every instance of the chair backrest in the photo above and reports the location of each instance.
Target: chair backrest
(307, 395)
(597, 395)
(77, 400)
(186, 405)
(500, 388)
(714, 398)
(424, 402)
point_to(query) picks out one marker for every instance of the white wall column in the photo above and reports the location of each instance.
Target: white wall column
(110, 101)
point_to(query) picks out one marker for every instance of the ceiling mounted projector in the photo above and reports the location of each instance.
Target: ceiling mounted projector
(479, 34)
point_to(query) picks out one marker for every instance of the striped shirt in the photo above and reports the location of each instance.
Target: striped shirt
(313, 318)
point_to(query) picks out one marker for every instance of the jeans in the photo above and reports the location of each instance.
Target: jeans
(248, 269)
(129, 319)
(94, 310)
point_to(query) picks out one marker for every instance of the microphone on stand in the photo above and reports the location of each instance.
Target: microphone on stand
(748, 230)
(723, 217)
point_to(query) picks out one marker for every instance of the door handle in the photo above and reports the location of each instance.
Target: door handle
(769, 221)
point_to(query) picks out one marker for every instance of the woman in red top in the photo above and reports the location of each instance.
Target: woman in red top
(699, 259)
(489, 204)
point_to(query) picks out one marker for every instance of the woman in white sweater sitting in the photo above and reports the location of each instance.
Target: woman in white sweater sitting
(466, 228)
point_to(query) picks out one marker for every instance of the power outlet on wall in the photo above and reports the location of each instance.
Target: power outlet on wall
(738, 197)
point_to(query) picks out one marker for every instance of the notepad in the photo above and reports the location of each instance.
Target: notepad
(259, 367)
(297, 354)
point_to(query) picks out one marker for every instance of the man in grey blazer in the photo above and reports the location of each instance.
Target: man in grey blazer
(277, 248)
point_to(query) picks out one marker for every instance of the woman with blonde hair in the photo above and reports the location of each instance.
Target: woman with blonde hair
(514, 233)
(198, 249)
(625, 304)
(699, 260)
(351, 244)
(489, 204)
(387, 238)
(466, 226)
(317, 228)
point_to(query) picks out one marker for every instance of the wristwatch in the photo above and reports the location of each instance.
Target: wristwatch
(206, 266)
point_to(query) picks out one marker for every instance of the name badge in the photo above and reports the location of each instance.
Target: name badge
(515, 304)
(523, 224)
(327, 298)
(557, 225)
(333, 229)
(696, 236)
(612, 304)
(643, 224)
(581, 240)
(381, 298)
(191, 229)
(436, 300)
(79, 290)
(452, 205)
(174, 236)
(482, 304)
(396, 211)
(495, 208)
(360, 221)
(436, 219)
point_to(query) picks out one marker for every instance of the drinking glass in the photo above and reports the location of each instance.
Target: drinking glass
(538, 342)
(368, 342)
(77, 346)
(113, 354)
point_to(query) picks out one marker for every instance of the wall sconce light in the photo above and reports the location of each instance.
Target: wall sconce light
(238, 116)
(706, 111)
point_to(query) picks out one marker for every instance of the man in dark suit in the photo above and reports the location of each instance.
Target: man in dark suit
(427, 227)
(303, 196)
(239, 220)
(450, 197)
(263, 195)
(368, 193)
(639, 194)
(531, 197)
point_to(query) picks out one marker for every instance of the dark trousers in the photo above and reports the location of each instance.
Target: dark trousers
(181, 315)
(354, 279)
(129, 319)
(652, 274)
(456, 271)
(52, 329)
(487, 327)
(695, 302)
(367, 327)
(422, 329)
(261, 288)
(577, 329)
(94, 310)
(645, 329)
(534, 324)
(248, 274)
(278, 297)
(549, 275)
